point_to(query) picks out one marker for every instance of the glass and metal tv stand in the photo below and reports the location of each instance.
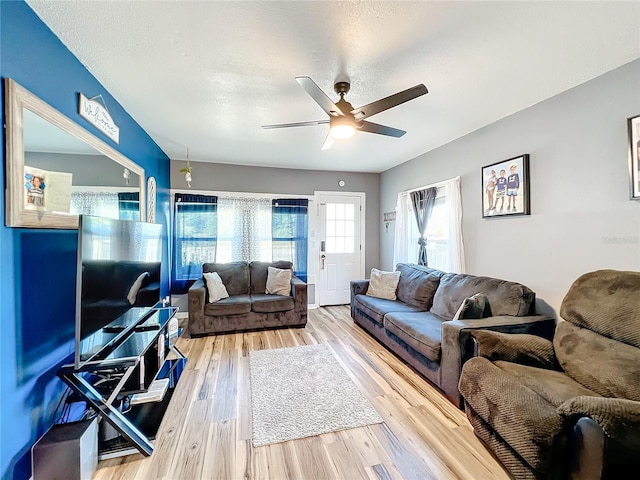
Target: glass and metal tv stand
(130, 382)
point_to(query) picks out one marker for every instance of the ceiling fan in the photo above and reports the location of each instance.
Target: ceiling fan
(344, 120)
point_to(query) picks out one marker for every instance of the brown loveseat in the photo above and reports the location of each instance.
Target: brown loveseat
(569, 408)
(248, 307)
(418, 326)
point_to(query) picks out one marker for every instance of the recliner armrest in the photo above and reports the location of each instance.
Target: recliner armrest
(458, 344)
(618, 417)
(520, 348)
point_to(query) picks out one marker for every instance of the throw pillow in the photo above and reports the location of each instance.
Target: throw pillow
(475, 306)
(383, 284)
(278, 281)
(133, 291)
(215, 287)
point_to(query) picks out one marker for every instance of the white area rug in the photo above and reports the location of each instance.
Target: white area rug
(303, 391)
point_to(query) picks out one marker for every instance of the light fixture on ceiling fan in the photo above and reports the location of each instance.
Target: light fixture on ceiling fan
(344, 120)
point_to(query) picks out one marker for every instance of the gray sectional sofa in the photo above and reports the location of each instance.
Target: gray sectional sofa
(248, 307)
(419, 327)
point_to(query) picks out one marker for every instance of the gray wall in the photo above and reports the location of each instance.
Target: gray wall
(235, 178)
(88, 170)
(581, 216)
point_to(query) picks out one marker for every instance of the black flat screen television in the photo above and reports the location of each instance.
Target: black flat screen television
(118, 282)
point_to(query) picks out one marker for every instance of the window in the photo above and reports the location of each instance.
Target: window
(241, 228)
(437, 236)
(340, 234)
(289, 233)
(129, 205)
(445, 250)
(195, 236)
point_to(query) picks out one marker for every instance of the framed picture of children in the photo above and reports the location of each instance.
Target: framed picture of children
(505, 188)
(634, 155)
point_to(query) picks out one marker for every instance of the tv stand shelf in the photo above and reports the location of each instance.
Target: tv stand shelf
(142, 356)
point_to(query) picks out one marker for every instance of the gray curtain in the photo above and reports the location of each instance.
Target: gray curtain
(423, 201)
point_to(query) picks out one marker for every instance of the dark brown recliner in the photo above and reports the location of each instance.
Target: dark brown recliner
(568, 408)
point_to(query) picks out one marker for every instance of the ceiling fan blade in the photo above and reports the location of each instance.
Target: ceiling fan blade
(327, 142)
(389, 102)
(381, 129)
(319, 96)
(299, 124)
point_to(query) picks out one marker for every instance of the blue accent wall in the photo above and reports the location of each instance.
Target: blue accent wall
(37, 266)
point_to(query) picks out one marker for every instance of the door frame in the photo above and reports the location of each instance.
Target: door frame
(314, 252)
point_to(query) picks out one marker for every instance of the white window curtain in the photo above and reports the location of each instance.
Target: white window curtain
(101, 204)
(453, 205)
(445, 249)
(401, 246)
(244, 229)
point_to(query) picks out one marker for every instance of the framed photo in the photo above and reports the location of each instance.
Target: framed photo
(505, 188)
(634, 153)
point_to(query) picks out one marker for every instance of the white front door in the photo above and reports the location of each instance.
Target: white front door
(341, 253)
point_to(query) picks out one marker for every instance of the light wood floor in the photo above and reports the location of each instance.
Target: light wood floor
(206, 433)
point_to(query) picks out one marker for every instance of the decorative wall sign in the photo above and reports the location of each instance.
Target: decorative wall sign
(634, 156)
(505, 188)
(151, 200)
(97, 114)
(390, 216)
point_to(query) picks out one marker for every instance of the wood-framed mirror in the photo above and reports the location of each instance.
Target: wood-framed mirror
(55, 169)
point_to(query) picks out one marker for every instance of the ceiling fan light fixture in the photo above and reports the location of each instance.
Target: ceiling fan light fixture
(342, 131)
(342, 127)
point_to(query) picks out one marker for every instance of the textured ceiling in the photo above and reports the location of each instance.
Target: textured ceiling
(205, 76)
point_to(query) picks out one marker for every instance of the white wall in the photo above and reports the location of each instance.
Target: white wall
(581, 216)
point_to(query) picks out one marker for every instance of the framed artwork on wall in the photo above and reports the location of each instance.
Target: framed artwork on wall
(505, 188)
(634, 154)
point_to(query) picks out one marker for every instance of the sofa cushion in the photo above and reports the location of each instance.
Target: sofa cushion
(260, 270)
(234, 275)
(505, 298)
(135, 288)
(554, 386)
(422, 331)
(278, 281)
(601, 364)
(268, 303)
(215, 286)
(95, 275)
(376, 308)
(417, 285)
(233, 305)
(125, 275)
(475, 306)
(383, 284)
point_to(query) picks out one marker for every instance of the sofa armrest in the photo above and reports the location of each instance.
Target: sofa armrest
(458, 345)
(619, 418)
(196, 297)
(358, 287)
(520, 348)
(300, 298)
